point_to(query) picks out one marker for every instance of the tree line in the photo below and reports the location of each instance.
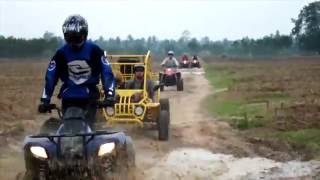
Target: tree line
(43, 47)
(304, 39)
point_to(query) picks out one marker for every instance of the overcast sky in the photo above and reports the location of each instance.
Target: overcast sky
(217, 19)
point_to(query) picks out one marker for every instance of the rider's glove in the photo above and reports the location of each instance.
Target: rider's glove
(44, 106)
(108, 101)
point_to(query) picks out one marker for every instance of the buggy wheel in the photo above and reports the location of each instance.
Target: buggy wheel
(165, 105)
(161, 81)
(50, 126)
(163, 125)
(180, 85)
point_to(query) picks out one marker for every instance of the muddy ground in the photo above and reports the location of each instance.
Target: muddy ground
(200, 147)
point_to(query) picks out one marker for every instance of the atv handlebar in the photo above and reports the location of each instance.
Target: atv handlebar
(55, 107)
(98, 104)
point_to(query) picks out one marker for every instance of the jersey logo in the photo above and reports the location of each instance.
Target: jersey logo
(52, 65)
(79, 71)
(104, 60)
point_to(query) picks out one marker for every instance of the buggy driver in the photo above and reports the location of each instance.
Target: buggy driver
(138, 82)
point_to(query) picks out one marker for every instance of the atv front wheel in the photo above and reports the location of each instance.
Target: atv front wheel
(130, 153)
(124, 167)
(163, 125)
(180, 85)
(29, 176)
(161, 88)
(50, 126)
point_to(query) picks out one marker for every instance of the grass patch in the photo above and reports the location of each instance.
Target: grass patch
(247, 94)
(304, 136)
(307, 138)
(241, 109)
(236, 112)
(220, 107)
(219, 77)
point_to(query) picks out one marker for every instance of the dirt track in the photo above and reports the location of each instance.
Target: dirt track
(190, 125)
(199, 148)
(199, 145)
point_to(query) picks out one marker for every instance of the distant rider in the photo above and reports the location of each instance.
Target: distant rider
(194, 57)
(78, 64)
(170, 61)
(185, 57)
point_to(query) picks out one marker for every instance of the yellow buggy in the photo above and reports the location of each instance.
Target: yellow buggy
(129, 109)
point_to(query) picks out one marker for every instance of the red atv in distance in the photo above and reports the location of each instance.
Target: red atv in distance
(195, 62)
(184, 62)
(171, 77)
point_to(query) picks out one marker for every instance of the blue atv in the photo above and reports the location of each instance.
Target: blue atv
(67, 148)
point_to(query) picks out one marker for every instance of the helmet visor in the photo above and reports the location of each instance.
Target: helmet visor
(74, 38)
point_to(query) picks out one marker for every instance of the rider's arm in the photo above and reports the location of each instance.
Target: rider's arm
(164, 61)
(107, 77)
(150, 87)
(176, 62)
(52, 76)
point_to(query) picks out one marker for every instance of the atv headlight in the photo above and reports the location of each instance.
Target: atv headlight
(38, 152)
(138, 110)
(110, 111)
(106, 148)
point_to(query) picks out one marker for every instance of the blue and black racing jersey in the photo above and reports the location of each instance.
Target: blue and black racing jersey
(80, 71)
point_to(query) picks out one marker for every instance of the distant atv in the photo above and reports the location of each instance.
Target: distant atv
(75, 152)
(171, 77)
(185, 63)
(195, 63)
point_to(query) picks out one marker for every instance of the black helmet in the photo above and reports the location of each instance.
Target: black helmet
(75, 29)
(195, 57)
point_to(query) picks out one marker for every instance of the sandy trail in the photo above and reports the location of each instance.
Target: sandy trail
(191, 126)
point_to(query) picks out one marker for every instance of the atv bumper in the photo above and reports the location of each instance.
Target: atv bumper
(55, 160)
(184, 65)
(170, 80)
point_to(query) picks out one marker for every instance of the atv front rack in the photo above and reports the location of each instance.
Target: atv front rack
(102, 132)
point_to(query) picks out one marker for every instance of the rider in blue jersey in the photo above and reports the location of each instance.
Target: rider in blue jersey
(79, 64)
